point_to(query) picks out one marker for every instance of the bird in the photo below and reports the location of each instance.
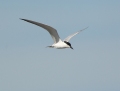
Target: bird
(58, 43)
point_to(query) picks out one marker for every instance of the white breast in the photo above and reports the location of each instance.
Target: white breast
(60, 45)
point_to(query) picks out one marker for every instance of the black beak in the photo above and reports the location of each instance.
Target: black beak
(71, 47)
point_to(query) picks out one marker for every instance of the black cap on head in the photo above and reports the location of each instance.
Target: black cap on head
(68, 44)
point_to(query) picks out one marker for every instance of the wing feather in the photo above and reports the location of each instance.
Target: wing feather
(69, 37)
(51, 30)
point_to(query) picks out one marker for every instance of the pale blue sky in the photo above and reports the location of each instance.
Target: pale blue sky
(93, 65)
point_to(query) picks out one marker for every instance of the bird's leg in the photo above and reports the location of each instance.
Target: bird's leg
(50, 46)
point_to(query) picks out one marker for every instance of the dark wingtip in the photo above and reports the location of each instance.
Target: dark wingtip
(21, 19)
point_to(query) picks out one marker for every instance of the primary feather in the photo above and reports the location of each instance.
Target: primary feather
(69, 37)
(50, 29)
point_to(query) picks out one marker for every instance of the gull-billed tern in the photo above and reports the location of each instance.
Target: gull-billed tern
(58, 43)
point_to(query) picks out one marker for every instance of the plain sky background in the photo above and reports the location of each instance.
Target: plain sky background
(93, 65)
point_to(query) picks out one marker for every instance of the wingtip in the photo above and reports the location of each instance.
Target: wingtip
(87, 27)
(84, 28)
(21, 19)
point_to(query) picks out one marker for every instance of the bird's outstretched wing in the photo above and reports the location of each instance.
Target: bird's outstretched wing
(69, 37)
(52, 31)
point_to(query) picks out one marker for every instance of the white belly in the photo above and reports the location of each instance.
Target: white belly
(60, 45)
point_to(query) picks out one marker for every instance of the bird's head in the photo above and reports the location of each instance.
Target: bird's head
(68, 44)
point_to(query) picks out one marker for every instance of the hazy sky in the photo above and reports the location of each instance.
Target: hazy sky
(93, 65)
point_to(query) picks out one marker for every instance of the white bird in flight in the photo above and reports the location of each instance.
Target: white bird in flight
(58, 43)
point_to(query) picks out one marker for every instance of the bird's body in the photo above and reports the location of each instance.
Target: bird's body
(58, 43)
